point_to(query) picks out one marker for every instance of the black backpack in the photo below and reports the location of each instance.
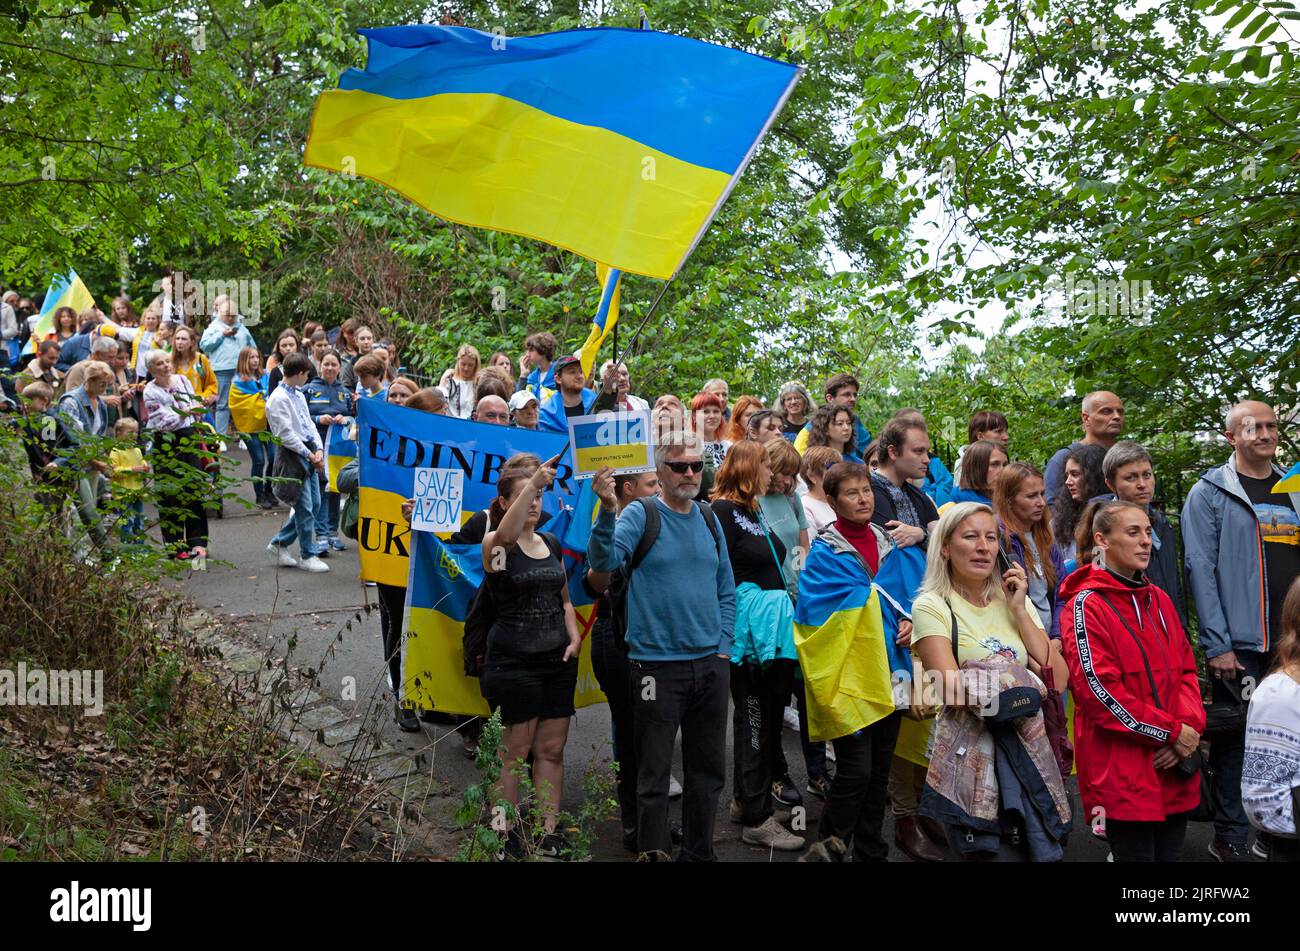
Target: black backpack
(616, 593)
(482, 613)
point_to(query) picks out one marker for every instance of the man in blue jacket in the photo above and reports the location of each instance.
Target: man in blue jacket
(1242, 546)
(222, 341)
(571, 399)
(679, 644)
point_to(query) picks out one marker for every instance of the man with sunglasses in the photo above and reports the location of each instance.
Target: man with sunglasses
(681, 607)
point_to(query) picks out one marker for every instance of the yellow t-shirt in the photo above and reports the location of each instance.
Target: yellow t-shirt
(980, 631)
(122, 461)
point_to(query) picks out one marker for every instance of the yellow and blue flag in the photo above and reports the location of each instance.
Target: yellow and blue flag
(1290, 481)
(602, 325)
(841, 638)
(393, 441)
(619, 145)
(65, 290)
(340, 449)
(443, 580)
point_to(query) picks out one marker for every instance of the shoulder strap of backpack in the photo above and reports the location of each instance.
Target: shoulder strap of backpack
(711, 520)
(649, 534)
(953, 616)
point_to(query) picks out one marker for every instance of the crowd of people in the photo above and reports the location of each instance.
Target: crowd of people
(779, 561)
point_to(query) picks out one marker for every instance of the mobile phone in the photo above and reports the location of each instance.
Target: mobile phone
(1003, 562)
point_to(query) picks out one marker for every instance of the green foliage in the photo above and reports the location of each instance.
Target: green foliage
(487, 816)
(1105, 142)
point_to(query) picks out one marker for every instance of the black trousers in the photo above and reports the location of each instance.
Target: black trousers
(182, 490)
(1227, 754)
(855, 805)
(690, 695)
(759, 696)
(392, 602)
(613, 672)
(1132, 841)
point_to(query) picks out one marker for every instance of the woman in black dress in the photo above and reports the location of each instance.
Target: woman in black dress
(531, 669)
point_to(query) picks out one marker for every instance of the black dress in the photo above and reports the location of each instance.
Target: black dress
(524, 672)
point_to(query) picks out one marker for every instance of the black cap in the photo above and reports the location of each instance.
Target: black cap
(566, 361)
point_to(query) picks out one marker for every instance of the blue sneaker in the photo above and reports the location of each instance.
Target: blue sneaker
(337, 545)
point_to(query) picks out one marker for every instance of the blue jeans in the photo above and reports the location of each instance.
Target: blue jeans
(224, 379)
(327, 512)
(261, 457)
(302, 520)
(132, 525)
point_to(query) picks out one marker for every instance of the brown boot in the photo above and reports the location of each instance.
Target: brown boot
(909, 837)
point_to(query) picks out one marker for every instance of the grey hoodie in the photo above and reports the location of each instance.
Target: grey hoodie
(1224, 551)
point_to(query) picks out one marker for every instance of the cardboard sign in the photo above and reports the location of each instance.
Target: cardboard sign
(439, 497)
(622, 441)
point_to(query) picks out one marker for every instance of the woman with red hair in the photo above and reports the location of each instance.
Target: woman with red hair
(706, 420)
(763, 658)
(745, 407)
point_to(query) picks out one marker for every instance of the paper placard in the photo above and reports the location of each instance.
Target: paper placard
(622, 441)
(439, 497)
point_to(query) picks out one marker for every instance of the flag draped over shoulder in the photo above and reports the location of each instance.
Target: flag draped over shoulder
(65, 290)
(617, 144)
(840, 635)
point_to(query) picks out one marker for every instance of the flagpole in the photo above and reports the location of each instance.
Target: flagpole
(637, 333)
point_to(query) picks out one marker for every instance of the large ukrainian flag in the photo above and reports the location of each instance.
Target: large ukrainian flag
(65, 290)
(840, 635)
(617, 144)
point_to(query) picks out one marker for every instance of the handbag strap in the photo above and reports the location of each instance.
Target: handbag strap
(953, 618)
(1138, 641)
(767, 534)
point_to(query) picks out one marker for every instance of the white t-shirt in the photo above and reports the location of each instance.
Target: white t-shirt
(819, 513)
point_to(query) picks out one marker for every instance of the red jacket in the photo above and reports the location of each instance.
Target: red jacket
(1118, 725)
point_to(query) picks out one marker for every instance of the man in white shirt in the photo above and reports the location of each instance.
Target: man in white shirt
(290, 421)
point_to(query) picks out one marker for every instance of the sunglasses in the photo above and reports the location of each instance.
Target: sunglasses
(681, 468)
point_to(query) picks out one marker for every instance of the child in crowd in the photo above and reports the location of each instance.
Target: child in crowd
(128, 470)
(248, 394)
(370, 377)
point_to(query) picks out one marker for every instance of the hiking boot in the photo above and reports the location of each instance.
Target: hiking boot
(772, 835)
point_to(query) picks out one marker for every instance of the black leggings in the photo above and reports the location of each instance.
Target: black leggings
(1132, 841)
(392, 602)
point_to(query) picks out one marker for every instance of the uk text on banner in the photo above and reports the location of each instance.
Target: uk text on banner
(497, 132)
(443, 580)
(393, 441)
(65, 290)
(339, 451)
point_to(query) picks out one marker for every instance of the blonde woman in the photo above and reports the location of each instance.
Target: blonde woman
(459, 383)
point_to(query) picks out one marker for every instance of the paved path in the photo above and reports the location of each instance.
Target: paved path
(267, 605)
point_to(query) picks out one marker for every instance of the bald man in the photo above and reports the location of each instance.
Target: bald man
(1102, 413)
(491, 409)
(1242, 548)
